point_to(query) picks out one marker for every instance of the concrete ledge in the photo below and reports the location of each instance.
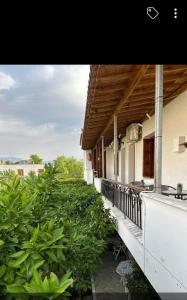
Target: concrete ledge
(181, 204)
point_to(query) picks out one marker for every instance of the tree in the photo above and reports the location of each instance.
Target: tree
(69, 167)
(36, 159)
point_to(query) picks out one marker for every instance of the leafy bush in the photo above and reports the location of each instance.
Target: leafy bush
(69, 167)
(47, 230)
(74, 181)
(139, 286)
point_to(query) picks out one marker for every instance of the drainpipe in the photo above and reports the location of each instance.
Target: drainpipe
(103, 162)
(158, 127)
(115, 147)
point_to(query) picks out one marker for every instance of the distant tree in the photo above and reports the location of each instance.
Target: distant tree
(8, 162)
(69, 167)
(36, 159)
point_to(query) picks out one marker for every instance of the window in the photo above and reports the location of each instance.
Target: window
(20, 172)
(148, 157)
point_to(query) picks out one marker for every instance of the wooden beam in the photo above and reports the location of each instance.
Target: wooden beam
(128, 91)
(137, 108)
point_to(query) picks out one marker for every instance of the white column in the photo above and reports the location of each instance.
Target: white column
(158, 127)
(103, 158)
(115, 147)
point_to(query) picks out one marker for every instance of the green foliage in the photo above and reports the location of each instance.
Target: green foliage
(69, 167)
(73, 181)
(36, 159)
(50, 287)
(139, 286)
(49, 228)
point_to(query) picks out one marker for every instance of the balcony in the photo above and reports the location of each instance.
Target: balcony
(153, 227)
(126, 198)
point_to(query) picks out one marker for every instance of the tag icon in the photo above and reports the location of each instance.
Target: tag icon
(152, 12)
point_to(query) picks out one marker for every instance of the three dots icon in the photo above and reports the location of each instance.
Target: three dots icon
(175, 13)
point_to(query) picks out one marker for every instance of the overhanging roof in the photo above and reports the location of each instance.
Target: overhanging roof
(129, 92)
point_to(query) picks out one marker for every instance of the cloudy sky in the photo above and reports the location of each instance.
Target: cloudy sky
(42, 109)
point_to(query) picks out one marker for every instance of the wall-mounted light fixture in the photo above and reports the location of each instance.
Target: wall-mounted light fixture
(179, 144)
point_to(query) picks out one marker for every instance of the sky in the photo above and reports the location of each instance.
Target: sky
(42, 109)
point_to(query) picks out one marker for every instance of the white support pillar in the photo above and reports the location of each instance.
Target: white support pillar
(103, 158)
(115, 147)
(158, 127)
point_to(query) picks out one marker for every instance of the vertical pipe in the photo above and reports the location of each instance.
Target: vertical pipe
(96, 161)
(158, 127)
(115, 147)
(103, 162)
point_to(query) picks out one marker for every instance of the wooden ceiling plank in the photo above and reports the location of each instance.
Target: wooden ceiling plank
(127, 93)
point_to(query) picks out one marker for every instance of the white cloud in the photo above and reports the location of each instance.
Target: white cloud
(6, 81)
(45, 112)
(21, 129)
(42, 73)
(48, 72)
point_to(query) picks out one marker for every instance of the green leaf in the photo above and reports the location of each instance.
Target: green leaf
(52, 256)
(2, 270)
(5, 226)
(35, 234)
(9, 276)
(38, 264)
(17, 254)
(45, 285)
(36, 256)
(66, 276)
(64, 285)
(53, 280)
(16, 263)
(37, 277)
(15, 288)
(1, 242)
(57, 234)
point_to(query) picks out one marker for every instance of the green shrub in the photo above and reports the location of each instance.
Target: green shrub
(74, 181)
(48, 229)
(139, 286)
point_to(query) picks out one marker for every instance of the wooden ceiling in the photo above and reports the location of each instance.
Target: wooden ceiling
(128, 91)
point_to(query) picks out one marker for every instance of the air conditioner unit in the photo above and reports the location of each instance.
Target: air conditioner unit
(133, 133)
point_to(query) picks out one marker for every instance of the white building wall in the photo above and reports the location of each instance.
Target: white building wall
(174, 125)
(165, 243)
(110, 163)
(160, 247)
(26, 168)
(88, 171)
(174, 170)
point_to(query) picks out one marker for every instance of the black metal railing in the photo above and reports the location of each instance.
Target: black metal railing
(124, 197)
